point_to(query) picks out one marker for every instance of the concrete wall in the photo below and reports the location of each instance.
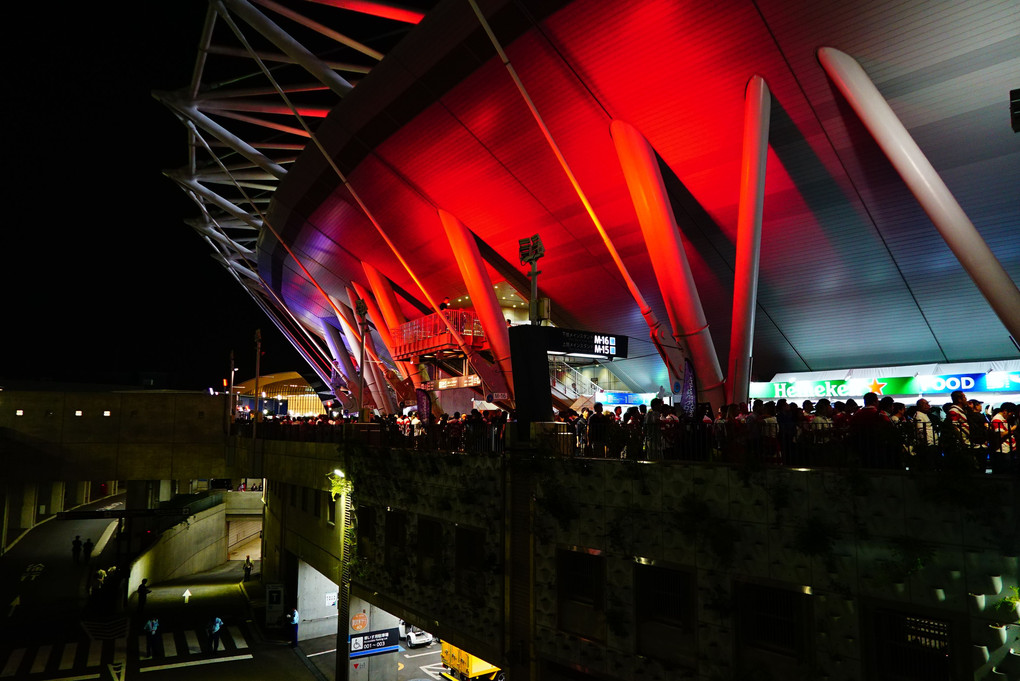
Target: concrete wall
(117, 436)
(185, 549)
(374, 667)
(317, 597)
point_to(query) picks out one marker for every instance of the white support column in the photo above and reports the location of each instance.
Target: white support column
(191, 112)
(292, 48)
(927, 186)
(479, 286)
(669, 260)
(339, 352)
(757, 107)
(384, 400)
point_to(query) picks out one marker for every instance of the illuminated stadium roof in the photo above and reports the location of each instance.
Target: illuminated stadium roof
(852, 270)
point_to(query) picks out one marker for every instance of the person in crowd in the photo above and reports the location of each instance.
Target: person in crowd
(86, 550)
(248, 565)
(213, 629)
(653, 432)
(598, 431)
(581, 431)
(143, 592)
(956, 414)
(76, 549)
(149, 629)
(1003, 438)
(872, 434)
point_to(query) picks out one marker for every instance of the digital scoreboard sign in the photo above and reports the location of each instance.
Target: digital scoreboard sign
(585, 343)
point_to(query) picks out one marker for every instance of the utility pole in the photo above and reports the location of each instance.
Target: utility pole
(258, 361)
(361, 308)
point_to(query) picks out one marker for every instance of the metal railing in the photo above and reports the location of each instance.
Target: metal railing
(431, 326)
(901, 446)
(569, 381)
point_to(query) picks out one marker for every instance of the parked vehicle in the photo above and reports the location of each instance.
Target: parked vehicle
(466, 667)
(417, 637)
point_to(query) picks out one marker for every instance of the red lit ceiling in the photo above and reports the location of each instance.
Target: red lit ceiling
(852, 271)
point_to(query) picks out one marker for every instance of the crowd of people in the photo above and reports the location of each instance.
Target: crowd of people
(476, 431)
(881, 432)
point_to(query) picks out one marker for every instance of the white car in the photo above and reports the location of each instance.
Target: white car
(417, 637)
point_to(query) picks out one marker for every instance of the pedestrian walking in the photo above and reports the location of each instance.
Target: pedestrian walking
(143, 595)
(76, 549)
(248, 565)
(215, 624)
(292, 622)
(150, 629)
(86, 549)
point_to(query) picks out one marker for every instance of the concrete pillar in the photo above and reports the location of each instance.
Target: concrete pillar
(29, 498)
(79, 493)
(138, 494)
(166, 490)
(56, 497)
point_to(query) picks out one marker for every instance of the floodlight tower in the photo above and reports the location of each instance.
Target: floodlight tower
(530, 251)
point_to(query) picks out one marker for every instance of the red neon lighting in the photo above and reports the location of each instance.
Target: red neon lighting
(377, 9)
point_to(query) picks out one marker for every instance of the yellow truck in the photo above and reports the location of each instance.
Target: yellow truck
(462, 666)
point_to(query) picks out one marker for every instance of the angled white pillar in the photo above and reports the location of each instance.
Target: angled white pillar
(292, 48)
(349, 324)
(392, 316)
(666, 252)
(375, 369)
(757, 107)
(339, 351)
(191, 112)
(479, 286)
(927, 186)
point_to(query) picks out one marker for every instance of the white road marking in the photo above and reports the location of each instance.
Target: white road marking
(13, 662)
(95, 654)
(76, 678)
(169, 646)
(431, 652)
(194, 647)
(238, 638)
(324, 652)
(67, 659)
(42, 657)
(195, 663)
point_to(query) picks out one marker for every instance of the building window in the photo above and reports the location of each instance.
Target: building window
(664, 612)
(911, 648)
(772, 620)
(330, 509)
(581, 593)
(430, 551)
(293, 495)
(469, 582)
(395, 555)
(304, 499)
(317, 505)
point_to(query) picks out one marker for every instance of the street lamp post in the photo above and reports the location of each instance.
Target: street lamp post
(530, 251)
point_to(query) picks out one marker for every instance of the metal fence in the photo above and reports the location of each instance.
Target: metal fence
(906, 445)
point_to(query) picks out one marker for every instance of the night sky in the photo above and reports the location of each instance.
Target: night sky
(103, 281)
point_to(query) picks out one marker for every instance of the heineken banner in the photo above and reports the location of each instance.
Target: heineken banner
(996, 381)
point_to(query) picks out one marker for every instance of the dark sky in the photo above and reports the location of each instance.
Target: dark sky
(103, 281)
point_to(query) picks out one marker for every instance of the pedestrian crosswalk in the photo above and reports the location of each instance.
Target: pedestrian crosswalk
(79, 657)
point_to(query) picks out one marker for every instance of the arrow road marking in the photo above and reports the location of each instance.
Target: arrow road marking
(187, 595)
